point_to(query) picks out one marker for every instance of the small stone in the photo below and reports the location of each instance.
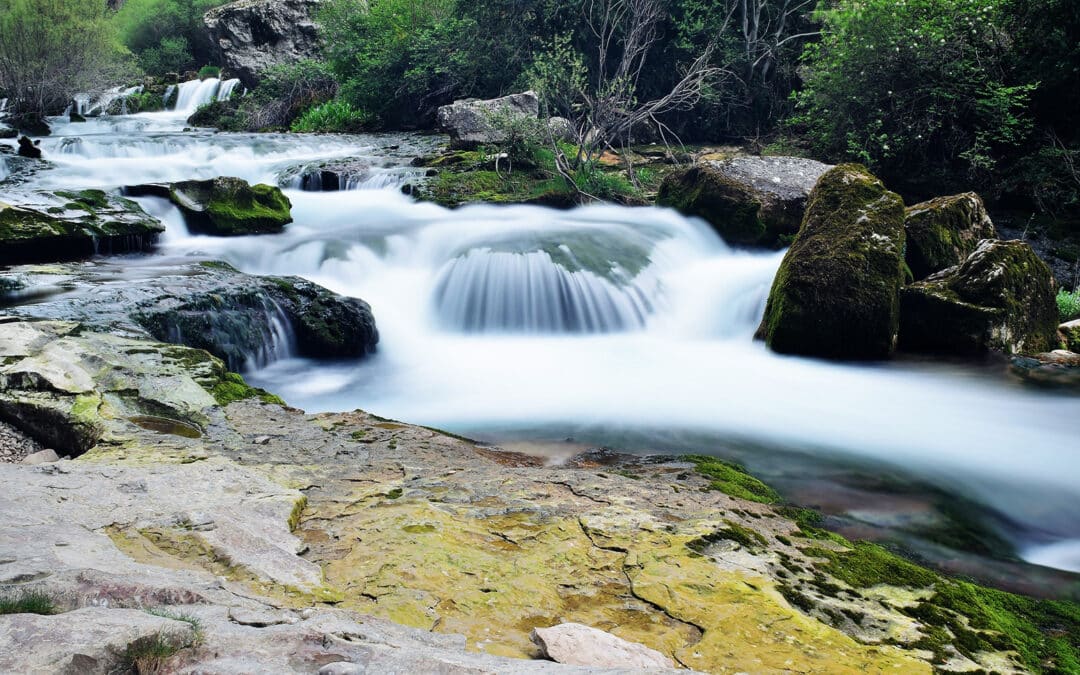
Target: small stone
(258, 618)
(261, 440)
(580, 645)
(341, 668)
(42, 457)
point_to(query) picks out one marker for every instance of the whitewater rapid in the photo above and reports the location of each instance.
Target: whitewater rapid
(495, 318)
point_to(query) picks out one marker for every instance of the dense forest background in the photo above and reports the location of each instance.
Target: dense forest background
(933, 95)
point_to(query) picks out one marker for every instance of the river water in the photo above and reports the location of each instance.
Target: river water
(608, 325)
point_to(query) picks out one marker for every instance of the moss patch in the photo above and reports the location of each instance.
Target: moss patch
(232, 387)
(732, 479)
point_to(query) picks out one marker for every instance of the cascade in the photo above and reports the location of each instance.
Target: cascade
(195, 93)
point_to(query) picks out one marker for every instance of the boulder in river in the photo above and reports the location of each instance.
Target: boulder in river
(29, 148)
(752, 201)
(250, 36)
(1001, 298)
(469, 122)
(226, 206)
(72, 225)
(944, 231)
(836, 294)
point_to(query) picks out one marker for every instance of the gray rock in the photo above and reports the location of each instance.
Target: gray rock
(43, 457)
(944, 231)
(250, 36)
(561, 129)
(342, 668)
(469, 122)
(580, 645)
(88, 641)
(757, 201)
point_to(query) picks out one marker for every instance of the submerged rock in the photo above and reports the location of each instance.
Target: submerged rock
(1001, 298)
(227, 206)
(944, 231)
(580, 645)
(469, 122)
(836, 294)
(29, 148)
(72, 225)
(250, 36)
(753, 201)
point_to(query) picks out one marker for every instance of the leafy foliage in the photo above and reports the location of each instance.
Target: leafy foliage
(333, 117)
(1068, 303)
(50, 49)
(166, 35)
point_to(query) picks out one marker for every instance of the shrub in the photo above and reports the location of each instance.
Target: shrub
(28, 602)
(284, 93)
(207, 72)
(171, 55)
(166, 35)
(1068, 303)
(332, 117)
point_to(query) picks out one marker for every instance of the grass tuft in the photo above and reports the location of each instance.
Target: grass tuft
(27, 602)
(1068, 303)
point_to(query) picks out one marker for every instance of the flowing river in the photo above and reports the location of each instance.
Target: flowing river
(630, 327)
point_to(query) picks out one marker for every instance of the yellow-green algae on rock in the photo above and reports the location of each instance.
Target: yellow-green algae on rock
(495, 578)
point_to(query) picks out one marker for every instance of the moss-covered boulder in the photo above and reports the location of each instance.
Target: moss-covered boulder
(327, 325)
(944, 231)
(1000, 299)
(1070, 335)
(73, 225)
(751, 201)
(836, 294)
(227, 206)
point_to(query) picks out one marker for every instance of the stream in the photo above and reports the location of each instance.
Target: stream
(550, 331)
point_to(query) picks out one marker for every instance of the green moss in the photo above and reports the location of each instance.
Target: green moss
(232, 387)
(228, 206)
(867, 565)
(218, 265)
(395, 493)
(743, 536)
(732, 479)
(296, 513)
(27, 602)
(733, 209)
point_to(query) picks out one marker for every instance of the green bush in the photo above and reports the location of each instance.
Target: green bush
(1068, 303)
(284, 93)
(207, 72)
(166, 35)
(28, 602)
(332, 117)
(917, 90)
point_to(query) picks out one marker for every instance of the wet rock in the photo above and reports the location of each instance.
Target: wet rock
(29, 148)
(72, 225)
(245, 320)
(944, 231)
(1001, 298)
(327, 176)
(580, 645)
(469, 122)
(250, 36)
(227, 206)
(31, 125)
(836, 294)
(753, 201)
(88, 641)
(1058, 369)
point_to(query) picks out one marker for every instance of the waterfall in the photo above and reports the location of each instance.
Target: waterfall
(3, 105)
(279, 340)
(498, 292)
(168, 92)
(195, 93)
(101, 106)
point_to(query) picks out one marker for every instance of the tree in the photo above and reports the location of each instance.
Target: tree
(51, 49)
(166, 35)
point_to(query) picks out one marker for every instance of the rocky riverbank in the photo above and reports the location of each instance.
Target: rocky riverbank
(202, 533)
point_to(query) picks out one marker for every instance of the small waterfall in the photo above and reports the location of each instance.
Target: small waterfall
(101, 106)
(279, 339)
(196, 93)
(3, 105)
(168, 92)
(503, 292)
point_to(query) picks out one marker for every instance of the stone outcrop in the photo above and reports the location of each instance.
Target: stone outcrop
(836, 294)
(752, 201)
(250, 36)
(327, 176)
(1070, 334)
(581, 645)
(943, 232)
(473, 122)
(464, 544)
(72, 225)
(1001, 298)
(243, 319)
(229, 207)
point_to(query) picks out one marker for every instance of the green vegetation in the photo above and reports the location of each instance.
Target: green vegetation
(191, 620)
(732, 479)
(166, 36)
(50, 49)
(232, 387)
(332, 117)
(149, 655)
(285, 93)
(1068, 303)
(27, 602)
(207, 72)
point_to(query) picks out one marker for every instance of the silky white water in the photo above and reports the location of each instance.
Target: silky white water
(608, 317)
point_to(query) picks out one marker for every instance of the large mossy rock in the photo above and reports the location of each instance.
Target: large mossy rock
(73, 225)
(836, 294)
(227, 206)
(471, 122)
(1001, 298)
(751, 201)
(944, 231)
